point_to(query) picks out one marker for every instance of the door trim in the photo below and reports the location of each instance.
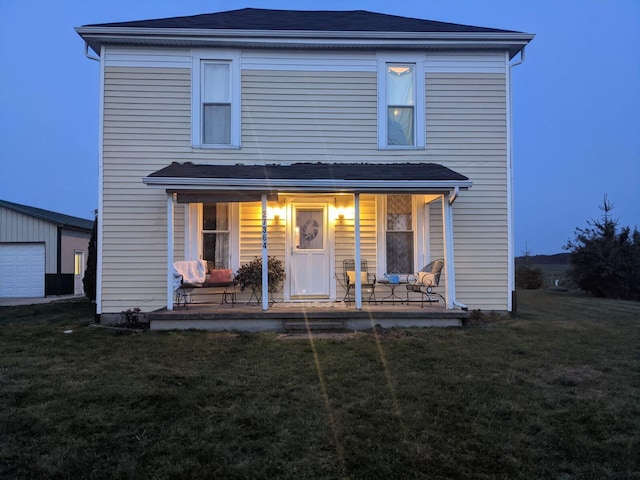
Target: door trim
(327, 203)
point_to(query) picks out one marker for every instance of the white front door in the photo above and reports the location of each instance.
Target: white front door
(310, 259)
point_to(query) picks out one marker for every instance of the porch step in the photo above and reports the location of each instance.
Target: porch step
(314, 326)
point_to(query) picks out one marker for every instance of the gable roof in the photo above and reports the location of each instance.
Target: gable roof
(309, 177)
(264, 28)
(59, 219)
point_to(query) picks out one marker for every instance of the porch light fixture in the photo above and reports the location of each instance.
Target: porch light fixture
(342, 210)
(275, 213)
(345, 212)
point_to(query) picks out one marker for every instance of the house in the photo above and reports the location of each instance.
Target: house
(311, 136)
(41, 252)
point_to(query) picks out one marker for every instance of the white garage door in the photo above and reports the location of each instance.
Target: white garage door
(22, 270)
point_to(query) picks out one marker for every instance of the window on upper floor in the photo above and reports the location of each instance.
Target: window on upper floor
(401, 122)
(216, 103)
(401, 104)
(216, 100)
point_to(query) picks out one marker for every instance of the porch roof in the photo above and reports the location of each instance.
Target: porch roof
(309, 177)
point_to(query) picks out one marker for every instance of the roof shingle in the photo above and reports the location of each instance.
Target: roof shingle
(315, 20)
(314, 171)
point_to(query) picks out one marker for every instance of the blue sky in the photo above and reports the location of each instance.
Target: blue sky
(576, 101)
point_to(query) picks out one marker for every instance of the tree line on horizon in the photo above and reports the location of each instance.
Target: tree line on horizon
(604, 259)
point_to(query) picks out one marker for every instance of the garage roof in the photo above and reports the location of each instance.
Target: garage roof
(60, 219)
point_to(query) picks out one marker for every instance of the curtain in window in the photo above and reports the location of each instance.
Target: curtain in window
(216, 104)
(217, 124)
(400, 85)
(215, 234)
(400, 102)
(400, 126)
(399, 235)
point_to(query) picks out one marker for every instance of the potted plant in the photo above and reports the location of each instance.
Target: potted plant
(250, 275)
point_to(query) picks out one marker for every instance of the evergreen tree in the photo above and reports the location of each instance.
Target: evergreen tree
(91, 273)
(605, 262)
(528, 276)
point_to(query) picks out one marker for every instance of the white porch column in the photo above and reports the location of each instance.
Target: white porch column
(265, 256)
(169, 251)
(449, 262)
(356, 226)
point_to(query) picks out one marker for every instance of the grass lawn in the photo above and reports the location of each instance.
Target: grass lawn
(552, 393)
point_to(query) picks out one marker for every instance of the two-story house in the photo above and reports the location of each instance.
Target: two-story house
(311, 136)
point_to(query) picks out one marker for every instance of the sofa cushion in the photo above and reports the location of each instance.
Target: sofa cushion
(351, 276)
(427, 279)
(220, 277)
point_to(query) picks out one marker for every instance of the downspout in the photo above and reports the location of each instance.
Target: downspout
(86, 53)
(511, 207)
(521, 61)
(99, 217)
(452, 199)
(170, 227)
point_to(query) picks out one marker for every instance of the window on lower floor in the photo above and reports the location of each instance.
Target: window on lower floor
(399, 236)
(215, 234)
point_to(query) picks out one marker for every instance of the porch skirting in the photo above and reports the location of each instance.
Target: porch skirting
(281, 318)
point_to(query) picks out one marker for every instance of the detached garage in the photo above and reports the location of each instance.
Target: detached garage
(41, 252)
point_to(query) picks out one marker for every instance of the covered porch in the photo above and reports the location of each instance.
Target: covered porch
(333, 192)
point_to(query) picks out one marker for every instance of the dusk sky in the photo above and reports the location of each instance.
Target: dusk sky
(576, 101)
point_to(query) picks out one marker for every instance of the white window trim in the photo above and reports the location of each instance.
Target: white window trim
(419, 121)
(233, 58)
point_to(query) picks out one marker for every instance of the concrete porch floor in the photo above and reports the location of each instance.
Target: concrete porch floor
(288, 317)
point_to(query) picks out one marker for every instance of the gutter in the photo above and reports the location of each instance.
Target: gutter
(248, 184)
(511, 37)
(230, 38)
(252, 184)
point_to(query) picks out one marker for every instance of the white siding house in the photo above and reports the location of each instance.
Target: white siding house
(416, 114)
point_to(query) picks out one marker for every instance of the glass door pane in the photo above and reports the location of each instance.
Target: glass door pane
(309, 228)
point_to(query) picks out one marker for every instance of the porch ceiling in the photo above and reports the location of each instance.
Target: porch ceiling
(309, 177)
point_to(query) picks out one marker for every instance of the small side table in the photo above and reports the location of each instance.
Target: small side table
(393, 295)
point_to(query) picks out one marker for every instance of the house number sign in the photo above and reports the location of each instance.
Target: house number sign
(264, 229)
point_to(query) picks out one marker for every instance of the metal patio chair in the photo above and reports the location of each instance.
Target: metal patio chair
(348, 280)
(425, 280)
